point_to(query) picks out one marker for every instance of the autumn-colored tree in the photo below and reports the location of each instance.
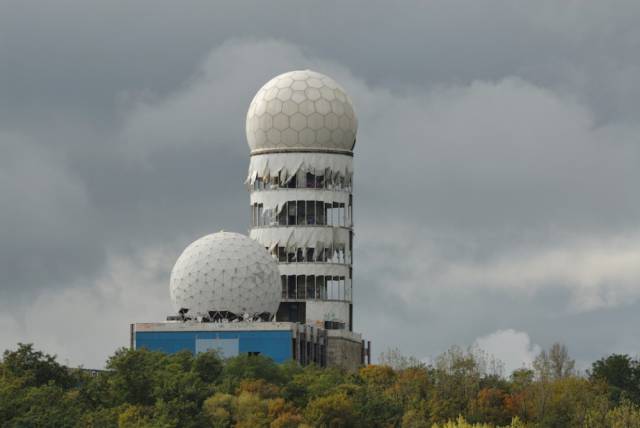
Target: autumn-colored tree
(411, 387)
(626, 415)
(287, 420)
(567, 403)
(416, 417)
(381, 377)
(489, 406)
(457, 376)
(518, 401)
(331, 411)
(136, 416)
(221, 410)
(259, 387)
(253, 411)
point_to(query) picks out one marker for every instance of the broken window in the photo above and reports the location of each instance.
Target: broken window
(302, 218)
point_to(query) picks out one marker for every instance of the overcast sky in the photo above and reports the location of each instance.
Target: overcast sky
(497, 183)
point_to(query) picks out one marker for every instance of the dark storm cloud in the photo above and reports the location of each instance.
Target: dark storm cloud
(497, 148)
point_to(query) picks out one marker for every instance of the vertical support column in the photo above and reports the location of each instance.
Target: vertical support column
(294, 344)
(303, 346)
(312, 354)
(299, 344)
(132, 338)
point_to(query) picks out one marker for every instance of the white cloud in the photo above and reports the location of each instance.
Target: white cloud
(513, 348)
(85, 324)
(598, 274)
(209, 109)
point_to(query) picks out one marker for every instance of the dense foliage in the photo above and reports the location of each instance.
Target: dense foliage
(460, 389)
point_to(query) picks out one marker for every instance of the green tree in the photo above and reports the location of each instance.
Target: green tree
(372, 407)
(554, 363)
(312, 382)
(35, 368)
(178, 390)
(208, 366)
(392, 357)
(46, 405)
(132, 375)
(621, 373)
(246, 366)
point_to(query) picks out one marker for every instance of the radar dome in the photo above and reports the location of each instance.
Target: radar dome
(225, 273)
(301, 110)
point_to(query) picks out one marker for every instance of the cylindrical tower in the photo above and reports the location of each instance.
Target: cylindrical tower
(301, 129)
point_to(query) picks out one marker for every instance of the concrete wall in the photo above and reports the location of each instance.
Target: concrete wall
(344, 352)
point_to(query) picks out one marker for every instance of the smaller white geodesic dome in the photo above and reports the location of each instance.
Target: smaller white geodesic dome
(225, 272)
(301, 109)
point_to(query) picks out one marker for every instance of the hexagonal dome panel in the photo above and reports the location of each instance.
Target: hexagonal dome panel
(225, 272)
(277, 116)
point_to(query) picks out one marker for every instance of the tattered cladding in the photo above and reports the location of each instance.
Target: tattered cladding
(336, 169)
(330, 244)
(308, 191)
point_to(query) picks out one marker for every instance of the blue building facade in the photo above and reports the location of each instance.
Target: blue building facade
(277, 345)
(279, 341)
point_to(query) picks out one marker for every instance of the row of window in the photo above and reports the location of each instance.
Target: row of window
(303, 181)
(311, 255)
(318, 287)
(303, 213)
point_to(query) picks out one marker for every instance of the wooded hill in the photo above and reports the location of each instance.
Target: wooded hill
(460, 389)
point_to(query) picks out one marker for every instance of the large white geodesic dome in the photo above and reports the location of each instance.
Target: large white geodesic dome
(301, 110)
(225, 272)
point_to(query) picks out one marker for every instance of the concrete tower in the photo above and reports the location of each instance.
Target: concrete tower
(301, 128)
(227, 289)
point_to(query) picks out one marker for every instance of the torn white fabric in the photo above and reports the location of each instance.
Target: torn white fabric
(287, 165)
(301, 237)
